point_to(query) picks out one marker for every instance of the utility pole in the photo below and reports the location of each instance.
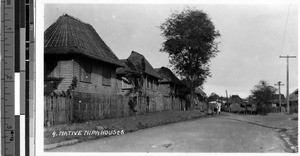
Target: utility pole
(279, 84)
(226, 95)
(287, 80)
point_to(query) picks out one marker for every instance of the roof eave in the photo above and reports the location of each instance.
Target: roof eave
(73, 50)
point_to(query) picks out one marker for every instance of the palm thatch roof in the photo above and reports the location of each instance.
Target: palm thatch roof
(235, 99)
(199, 91)
(69, 35)
(275, 98)
(294, 96)
(138, 63)
(167, 76)
(125, 69)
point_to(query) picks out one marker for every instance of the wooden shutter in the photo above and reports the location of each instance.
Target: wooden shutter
(106, 76)
(152, 85)
(148, 82)
(85, 72)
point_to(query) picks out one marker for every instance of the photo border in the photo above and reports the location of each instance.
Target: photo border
(39, 36)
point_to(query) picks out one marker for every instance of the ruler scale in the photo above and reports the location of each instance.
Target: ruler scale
(17, 78)
(7, 78)
(27, 117)
(29, 78)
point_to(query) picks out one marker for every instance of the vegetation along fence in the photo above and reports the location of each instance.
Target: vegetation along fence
(88, 106)
(57, 109)
(80, 106)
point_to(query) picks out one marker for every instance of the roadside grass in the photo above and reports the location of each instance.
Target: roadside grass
(127, 124)
(295, 118)
(285, 124)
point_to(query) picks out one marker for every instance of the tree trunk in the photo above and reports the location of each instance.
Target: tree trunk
(191, 106)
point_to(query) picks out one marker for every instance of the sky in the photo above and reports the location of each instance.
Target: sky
(252, 39)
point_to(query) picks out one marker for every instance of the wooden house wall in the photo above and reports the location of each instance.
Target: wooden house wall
(164, 88)
(63, 69)
(96, 85)
(119, 87)
(67, 69)
(151, 92)
(159, 97)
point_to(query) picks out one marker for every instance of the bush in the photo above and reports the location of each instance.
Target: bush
(264, 109)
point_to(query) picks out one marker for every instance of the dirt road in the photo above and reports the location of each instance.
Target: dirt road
(216, 134)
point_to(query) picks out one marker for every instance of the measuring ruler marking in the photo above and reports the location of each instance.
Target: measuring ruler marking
(7, 80)
(17, 22)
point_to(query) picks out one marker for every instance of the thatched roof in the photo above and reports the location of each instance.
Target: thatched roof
(69, 35)
(167, 76)
(294, 96)
(199, 91)
(276, 98)
(125, 69)
(137, 62)
(235, 99)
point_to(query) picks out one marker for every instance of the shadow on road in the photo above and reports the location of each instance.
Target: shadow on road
(254, 123)
(290, 138)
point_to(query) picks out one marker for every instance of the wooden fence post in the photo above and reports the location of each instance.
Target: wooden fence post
(45, 110)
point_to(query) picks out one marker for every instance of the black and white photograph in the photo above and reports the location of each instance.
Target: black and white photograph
(169, 77)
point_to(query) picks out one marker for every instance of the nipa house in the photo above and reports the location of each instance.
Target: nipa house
(169, 86)
(293, 98)
(75, 53)
(140, 80)
(79, 74)
(278, 105)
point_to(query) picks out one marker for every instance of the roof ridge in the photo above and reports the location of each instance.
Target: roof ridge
(76, 36)
(75, 18)
(138, 53)
(137, 59)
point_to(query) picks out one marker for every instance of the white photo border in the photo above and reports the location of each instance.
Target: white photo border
(39, 36)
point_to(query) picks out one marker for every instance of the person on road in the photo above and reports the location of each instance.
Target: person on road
(219, 107)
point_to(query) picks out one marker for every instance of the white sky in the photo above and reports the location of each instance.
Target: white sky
(250, 43)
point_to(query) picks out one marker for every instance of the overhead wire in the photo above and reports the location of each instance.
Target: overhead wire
(283, 39)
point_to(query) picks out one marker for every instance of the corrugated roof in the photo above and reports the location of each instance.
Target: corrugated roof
(69, 35)
(137, 62)
(167, 76)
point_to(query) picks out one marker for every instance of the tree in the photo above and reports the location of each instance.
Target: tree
(263, 94)
(135, 79)
(190, 42)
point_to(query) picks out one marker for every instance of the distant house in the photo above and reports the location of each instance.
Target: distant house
(169, 86)
(201, 94)
(275, 101)
(200, 101)
(236, 104)
(136, 65)
(235, 99)
(293, 100)
(127, 77)
(169, 83)
(75, 53)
